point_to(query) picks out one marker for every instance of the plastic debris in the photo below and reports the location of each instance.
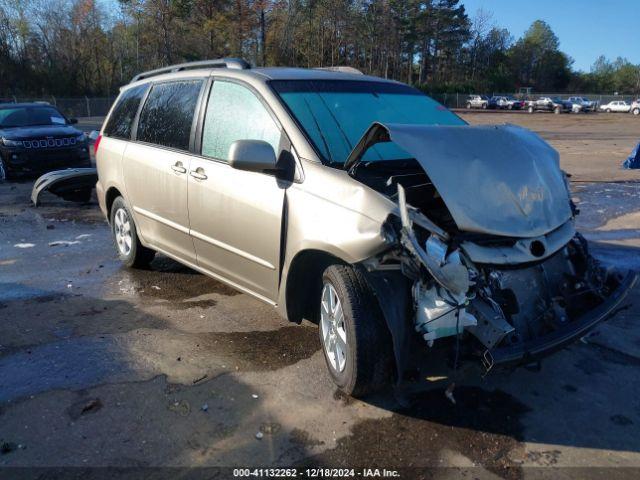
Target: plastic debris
(66, 243)
(204, 407)
(255, 395)
(83, 236)
(259, 435)
(25, 245)
(155, 287)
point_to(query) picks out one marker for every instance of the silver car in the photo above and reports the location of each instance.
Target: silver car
(357, 203)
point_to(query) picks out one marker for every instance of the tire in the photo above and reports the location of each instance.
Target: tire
(364, 364)
(636, 111)
(3, 172)
(530, 110)
(468, 106)
(509, 107)
(608, 110)
(132, 253)
(556, 110)
(484, 106)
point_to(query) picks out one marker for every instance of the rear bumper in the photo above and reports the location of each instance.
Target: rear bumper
(545, 345)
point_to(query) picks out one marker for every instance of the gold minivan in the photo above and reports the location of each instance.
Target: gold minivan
(358, 203)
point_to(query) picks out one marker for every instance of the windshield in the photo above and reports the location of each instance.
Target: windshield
(335, 113)
(30, 116)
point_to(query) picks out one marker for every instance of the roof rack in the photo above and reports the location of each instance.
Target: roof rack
(236, 63)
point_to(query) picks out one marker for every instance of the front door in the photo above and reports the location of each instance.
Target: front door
(236, 216)
(156, 167)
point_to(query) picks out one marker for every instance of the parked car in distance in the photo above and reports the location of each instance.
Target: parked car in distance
(616, 106)
(36, 138)
(478, 101)
(635, 107)
(360, 204)
(507, 103)
(548, 104)
(582, 104)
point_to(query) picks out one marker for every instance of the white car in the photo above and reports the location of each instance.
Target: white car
(616, 106)
(478, 101)
(635, 107)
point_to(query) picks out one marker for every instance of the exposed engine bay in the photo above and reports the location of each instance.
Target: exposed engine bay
(507, 292)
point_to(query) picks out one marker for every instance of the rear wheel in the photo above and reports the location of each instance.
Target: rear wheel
(355, 340)
(468, 106)
(636, 111)
(608, 110)
(556, 110)
(132, 253)
(530, 109)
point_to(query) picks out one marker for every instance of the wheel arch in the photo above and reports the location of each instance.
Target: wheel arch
(110, 196)
(304, 278)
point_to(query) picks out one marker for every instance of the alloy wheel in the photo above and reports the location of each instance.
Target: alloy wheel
(334, 333)
(122, 231)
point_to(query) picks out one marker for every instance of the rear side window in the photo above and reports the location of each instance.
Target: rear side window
(235, 113)
(167, 115)
(121, 119)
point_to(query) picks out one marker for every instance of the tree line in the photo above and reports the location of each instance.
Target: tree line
(92, 47)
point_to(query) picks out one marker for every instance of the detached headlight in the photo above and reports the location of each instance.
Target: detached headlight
(11, 143)
(81, 138)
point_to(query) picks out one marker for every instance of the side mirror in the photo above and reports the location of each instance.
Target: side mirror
(73, 121)
(252, 156)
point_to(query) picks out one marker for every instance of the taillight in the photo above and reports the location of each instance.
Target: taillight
(96, 144)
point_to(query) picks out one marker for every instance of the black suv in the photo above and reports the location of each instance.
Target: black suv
(35, 138)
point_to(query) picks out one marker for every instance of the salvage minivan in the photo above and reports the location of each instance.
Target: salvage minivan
(358, 203)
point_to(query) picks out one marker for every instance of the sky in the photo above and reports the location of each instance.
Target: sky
(586, 28)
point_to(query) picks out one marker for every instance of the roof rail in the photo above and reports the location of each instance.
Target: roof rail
(341, 69)
(236, 63)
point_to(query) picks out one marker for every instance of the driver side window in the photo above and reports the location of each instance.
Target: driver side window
(235, 113)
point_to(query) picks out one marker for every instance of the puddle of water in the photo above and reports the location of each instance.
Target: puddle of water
(81, 362)
(16, 291)
(171, 281)
(601, 202)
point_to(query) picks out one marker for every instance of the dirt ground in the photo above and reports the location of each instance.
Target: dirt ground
(101, 366)
(592, 146)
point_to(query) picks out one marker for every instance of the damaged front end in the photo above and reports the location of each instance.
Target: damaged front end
(500, 292)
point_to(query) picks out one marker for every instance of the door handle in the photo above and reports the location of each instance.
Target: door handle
(198, 173)
(178, 168)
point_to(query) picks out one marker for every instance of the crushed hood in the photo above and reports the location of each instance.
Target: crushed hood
(501, 180)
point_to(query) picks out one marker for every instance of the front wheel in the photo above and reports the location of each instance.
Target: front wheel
(355, 340)
(468, 106)
(3, 171)
(530, 109)
(132, 253)
(608, 110)
(636, 111)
